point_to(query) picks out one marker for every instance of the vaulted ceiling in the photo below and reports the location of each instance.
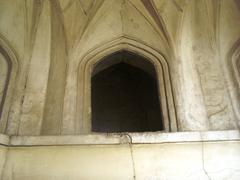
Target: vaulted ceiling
(158, 23)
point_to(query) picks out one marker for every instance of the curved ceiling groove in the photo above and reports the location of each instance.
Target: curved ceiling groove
(212, 13)
(151, 8)
(37, 10)
(88, 8)
(145, 17)
(55, 6)
(179, 8)
(180, 27)
(92, 14)
(82, 8)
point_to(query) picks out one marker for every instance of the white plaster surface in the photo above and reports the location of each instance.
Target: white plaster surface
(4, 142)
(222, 160)
(167, 156)
(69, 162)
(3, 154)
(169, 161)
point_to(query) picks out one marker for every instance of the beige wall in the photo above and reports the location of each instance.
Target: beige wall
(162, 156)
(218, 160)
(3, 153)
(4, 140)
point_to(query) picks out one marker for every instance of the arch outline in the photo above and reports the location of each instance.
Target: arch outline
(12, 60)
(87, 63)
(233, 58)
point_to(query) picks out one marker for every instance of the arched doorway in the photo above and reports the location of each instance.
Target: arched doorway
(124, 95)
(86, 70)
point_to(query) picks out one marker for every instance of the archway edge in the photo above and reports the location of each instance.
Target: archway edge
(234, 55)
(85, 67)
(233, 78)
(11, 57)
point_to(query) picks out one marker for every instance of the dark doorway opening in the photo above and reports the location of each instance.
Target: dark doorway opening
(124, 95)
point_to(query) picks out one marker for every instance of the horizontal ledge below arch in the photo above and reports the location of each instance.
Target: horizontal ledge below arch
(120, 138)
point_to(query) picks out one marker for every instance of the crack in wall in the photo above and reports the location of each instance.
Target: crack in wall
(203, 160)
(130, 143)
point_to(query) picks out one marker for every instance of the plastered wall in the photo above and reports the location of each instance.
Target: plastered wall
(189, 161)
(3, 152)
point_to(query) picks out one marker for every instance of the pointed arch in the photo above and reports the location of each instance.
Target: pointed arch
(12, 68)
(233, 75)
(85, 67)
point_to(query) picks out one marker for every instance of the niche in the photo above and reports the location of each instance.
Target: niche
(125, 95)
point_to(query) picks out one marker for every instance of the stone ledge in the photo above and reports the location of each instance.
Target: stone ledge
(4, 139)
(134, 138)
(205, 136)
(121, 138)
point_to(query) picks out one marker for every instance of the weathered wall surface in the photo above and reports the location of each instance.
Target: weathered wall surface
(198, 39)
(47, 42)
(166, 156)
(3, 153)
(188, 161)
(4, 140)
